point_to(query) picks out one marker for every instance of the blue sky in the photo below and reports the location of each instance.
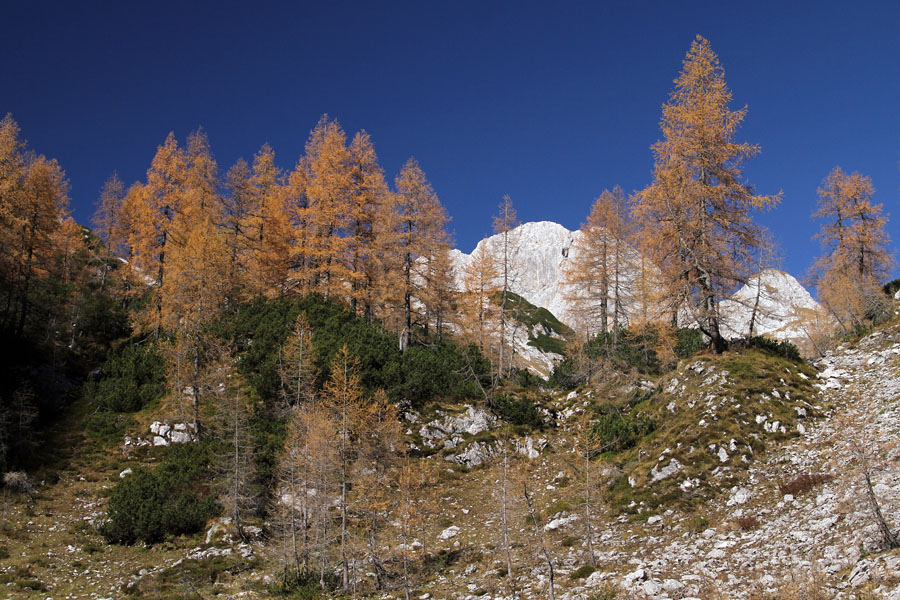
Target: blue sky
(547, 102)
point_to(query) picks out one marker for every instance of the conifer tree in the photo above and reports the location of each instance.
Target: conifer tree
(379, 444)
(197, 266)
(107, 221)
(528, 495)
(12, 177)
(857, 260)
(327, 179)
(270, 228)
(232, 416)
(479, 283)
(38, 218)
(343, 398)
(238, 209)
(291, 506)
(438, 295)
(505, 221)
(411, 517)
(152, 208)
(696, 215)
(296, 365)
(601, 259)
(306, 480)
(420, 235)
(367, 200)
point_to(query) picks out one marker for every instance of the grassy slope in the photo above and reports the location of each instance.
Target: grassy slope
(552, 333)
(56, 552)
(713, 404)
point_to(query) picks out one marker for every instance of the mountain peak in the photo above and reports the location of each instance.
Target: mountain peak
(542, 249)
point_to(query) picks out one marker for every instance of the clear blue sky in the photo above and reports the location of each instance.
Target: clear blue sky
(549, 102)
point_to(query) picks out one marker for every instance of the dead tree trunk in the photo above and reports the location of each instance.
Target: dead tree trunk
(540, 537)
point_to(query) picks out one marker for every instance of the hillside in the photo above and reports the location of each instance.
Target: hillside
(538, 338)
(745, 483)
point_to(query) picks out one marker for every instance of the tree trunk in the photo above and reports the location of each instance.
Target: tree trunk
(540, 537)
(504, 517)
(589, 534)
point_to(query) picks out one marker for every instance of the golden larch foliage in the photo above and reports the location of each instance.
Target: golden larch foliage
(857, 261)
(695, 216)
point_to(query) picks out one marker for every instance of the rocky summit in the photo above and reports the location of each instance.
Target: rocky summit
(779, 305)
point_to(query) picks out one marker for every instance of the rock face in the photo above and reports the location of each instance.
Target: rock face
(782, 305)
(163, 434)
(447, 431)
(543, 250)
(454, 432)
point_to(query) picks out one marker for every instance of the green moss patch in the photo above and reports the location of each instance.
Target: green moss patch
(714, 415)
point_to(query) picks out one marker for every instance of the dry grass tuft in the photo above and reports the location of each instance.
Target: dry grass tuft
(803, 483)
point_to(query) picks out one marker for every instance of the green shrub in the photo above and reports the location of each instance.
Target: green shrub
(688, 342)
(444, 370)
(148, 506)
(299, 586)
(130, 378)
(616, 431)
(582, 572)
(783, 348)
(424, 372)
(518, 411)
(107, 425)
(259, 328)
(526, 379)
(627, 350)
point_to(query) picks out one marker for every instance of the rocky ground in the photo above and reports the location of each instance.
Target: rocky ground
(761, 540)
(800, 524)
(797, 523)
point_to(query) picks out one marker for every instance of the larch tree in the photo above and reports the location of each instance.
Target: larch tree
(272, 230)
(504, 222)
(506, 497)
(599, 276)
(107, 221)
(232, 410)
(196, 282)
(588, 446)
(290, 505)
(153, 207)
(306, 481)
(420, 235)
(343, 398)
(412, 513)
(12, 176)
(238, 208)
(367, 198)
(477, 308)
(857, 260)
(296, 365)
(439, 296)
(528, 496)
(696, 214)
(39, 216)
(328, 179)
(379, 452)
(767, 257)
